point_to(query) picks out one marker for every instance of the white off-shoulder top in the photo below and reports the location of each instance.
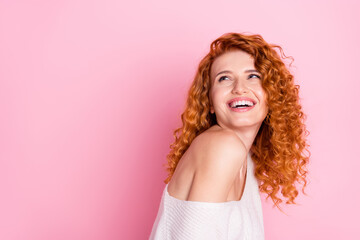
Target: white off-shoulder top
(192, 220)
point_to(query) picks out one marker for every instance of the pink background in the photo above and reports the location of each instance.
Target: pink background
(91, 91)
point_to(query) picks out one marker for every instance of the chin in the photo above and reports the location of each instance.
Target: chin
(244, 124)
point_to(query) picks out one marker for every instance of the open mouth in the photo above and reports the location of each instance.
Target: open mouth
(242, 104)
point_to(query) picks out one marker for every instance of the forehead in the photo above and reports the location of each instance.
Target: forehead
(234, 60)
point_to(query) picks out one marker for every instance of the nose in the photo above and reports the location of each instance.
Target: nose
(239, 87)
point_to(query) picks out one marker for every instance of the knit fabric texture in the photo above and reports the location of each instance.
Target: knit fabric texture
(233, 220)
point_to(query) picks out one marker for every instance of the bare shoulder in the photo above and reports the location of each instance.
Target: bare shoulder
(219, 157)
(222, 143)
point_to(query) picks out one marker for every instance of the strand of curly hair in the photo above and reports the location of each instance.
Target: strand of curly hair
(279, 151)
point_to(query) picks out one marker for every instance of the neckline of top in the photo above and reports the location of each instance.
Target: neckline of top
(248, 167)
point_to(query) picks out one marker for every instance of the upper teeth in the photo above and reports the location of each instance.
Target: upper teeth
(243, 102)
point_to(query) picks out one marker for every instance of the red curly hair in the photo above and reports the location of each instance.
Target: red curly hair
(279, 149)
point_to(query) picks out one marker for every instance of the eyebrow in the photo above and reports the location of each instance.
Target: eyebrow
(246, 71)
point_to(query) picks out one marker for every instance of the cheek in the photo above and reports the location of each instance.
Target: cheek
(262, 97)
(216, 95)
(260, 94)
(265, 101)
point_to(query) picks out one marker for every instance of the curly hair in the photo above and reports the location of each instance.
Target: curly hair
(279, 150)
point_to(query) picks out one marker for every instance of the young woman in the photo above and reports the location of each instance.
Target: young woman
(243, 132)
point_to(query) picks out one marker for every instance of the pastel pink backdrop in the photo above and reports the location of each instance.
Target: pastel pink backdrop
(91, 91)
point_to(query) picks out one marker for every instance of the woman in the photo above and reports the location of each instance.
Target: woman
(243, 132)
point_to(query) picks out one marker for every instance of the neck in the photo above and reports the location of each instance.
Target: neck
(246, 134)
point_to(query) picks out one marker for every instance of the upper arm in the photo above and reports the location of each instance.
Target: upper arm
(218, 165)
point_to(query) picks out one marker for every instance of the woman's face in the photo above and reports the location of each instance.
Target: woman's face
(236, 95)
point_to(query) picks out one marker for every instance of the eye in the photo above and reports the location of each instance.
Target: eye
(254, 75)
(223, 78)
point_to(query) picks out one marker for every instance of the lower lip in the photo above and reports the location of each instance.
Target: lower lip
(242, 109)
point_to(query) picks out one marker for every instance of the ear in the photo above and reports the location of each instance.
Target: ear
(211, 107)
(212, 111)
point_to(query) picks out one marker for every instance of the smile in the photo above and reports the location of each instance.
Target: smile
(241, 104)
(242, 108)
(241, 101)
